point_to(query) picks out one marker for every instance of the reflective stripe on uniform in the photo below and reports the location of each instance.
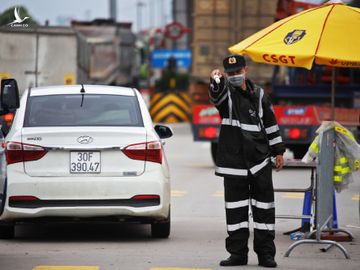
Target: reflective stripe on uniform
(230, 105)
(337, 178)
(356, 165)
(264, 226)
(314, 147)
(262, 205)
(258, 167)
(341, 160)
(219, 91)
(341, 170)
(236, 123)
(345, 132)
(238, 204)
(234, 227)
(261, 113)
(240, 172)
(221, 100)
(248, 127)
(272, 129)
(275, 140)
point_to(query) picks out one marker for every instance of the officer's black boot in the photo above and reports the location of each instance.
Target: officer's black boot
(234, 260)
(267, 261)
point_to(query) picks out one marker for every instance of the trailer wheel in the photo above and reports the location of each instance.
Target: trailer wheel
(214, 151)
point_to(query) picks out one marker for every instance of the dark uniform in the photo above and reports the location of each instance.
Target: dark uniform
(249, 136)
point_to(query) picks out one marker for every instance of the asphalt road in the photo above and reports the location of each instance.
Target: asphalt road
(198, 227)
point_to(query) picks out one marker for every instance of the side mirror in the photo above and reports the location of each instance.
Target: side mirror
(9, 97)
(164, 132)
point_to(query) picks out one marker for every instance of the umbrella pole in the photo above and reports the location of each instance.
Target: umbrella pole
(333, 94)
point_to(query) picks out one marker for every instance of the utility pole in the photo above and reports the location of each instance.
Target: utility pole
(36, 58)
(152, 13)
(139, 5)
(112, 9)
(163, 20)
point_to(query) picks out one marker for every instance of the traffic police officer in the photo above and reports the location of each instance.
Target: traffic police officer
(249, 136)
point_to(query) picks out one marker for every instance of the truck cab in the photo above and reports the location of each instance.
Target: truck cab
(302, 100)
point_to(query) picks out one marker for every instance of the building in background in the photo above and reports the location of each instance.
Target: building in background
(218, 24)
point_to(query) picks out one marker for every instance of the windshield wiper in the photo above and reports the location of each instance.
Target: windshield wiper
(82, 91)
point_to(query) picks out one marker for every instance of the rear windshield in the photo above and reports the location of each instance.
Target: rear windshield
(91, 110)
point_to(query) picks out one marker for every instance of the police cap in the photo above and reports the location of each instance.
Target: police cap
(233, 63)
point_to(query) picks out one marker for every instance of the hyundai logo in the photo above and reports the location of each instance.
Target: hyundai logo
(85, 139)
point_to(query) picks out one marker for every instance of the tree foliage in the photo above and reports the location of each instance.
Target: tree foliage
(8, 16)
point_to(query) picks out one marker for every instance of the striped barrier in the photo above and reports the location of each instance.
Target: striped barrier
(170, 107)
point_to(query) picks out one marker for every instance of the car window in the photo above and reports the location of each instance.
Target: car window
(91, 110)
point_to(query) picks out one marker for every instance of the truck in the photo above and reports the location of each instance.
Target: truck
(106, 52)
(95, 52)
(38, 56)
(301, 97)
(304, 102)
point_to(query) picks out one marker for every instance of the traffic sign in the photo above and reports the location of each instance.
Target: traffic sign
(159, 58)
(175, 30)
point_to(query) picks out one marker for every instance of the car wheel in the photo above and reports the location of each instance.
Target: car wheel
(7, 231)
(161, 229)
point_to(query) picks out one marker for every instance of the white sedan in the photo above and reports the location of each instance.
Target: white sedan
(87, 152)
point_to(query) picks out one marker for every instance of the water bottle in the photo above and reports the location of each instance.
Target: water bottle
(297, 236)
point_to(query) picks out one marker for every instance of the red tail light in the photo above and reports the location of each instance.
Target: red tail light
(21, 152)
(145, 197)
(296, 133)
(151, 151)
(208, 132)
(22, 198)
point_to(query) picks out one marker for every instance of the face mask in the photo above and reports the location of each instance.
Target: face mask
(237, 80)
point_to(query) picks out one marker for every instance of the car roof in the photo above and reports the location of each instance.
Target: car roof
(75, 89)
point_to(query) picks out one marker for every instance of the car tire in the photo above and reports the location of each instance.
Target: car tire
(161, 229)
(7, 231)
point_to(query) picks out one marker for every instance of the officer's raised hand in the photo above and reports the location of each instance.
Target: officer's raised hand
(216, 76)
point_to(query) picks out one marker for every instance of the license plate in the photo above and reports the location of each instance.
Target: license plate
(85, 162)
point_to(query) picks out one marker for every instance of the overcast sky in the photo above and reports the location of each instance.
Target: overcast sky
(153, 12)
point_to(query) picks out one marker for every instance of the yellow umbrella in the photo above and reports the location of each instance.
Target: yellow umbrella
(328, 34)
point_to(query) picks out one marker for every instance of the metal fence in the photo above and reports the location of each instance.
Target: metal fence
(324, 191)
